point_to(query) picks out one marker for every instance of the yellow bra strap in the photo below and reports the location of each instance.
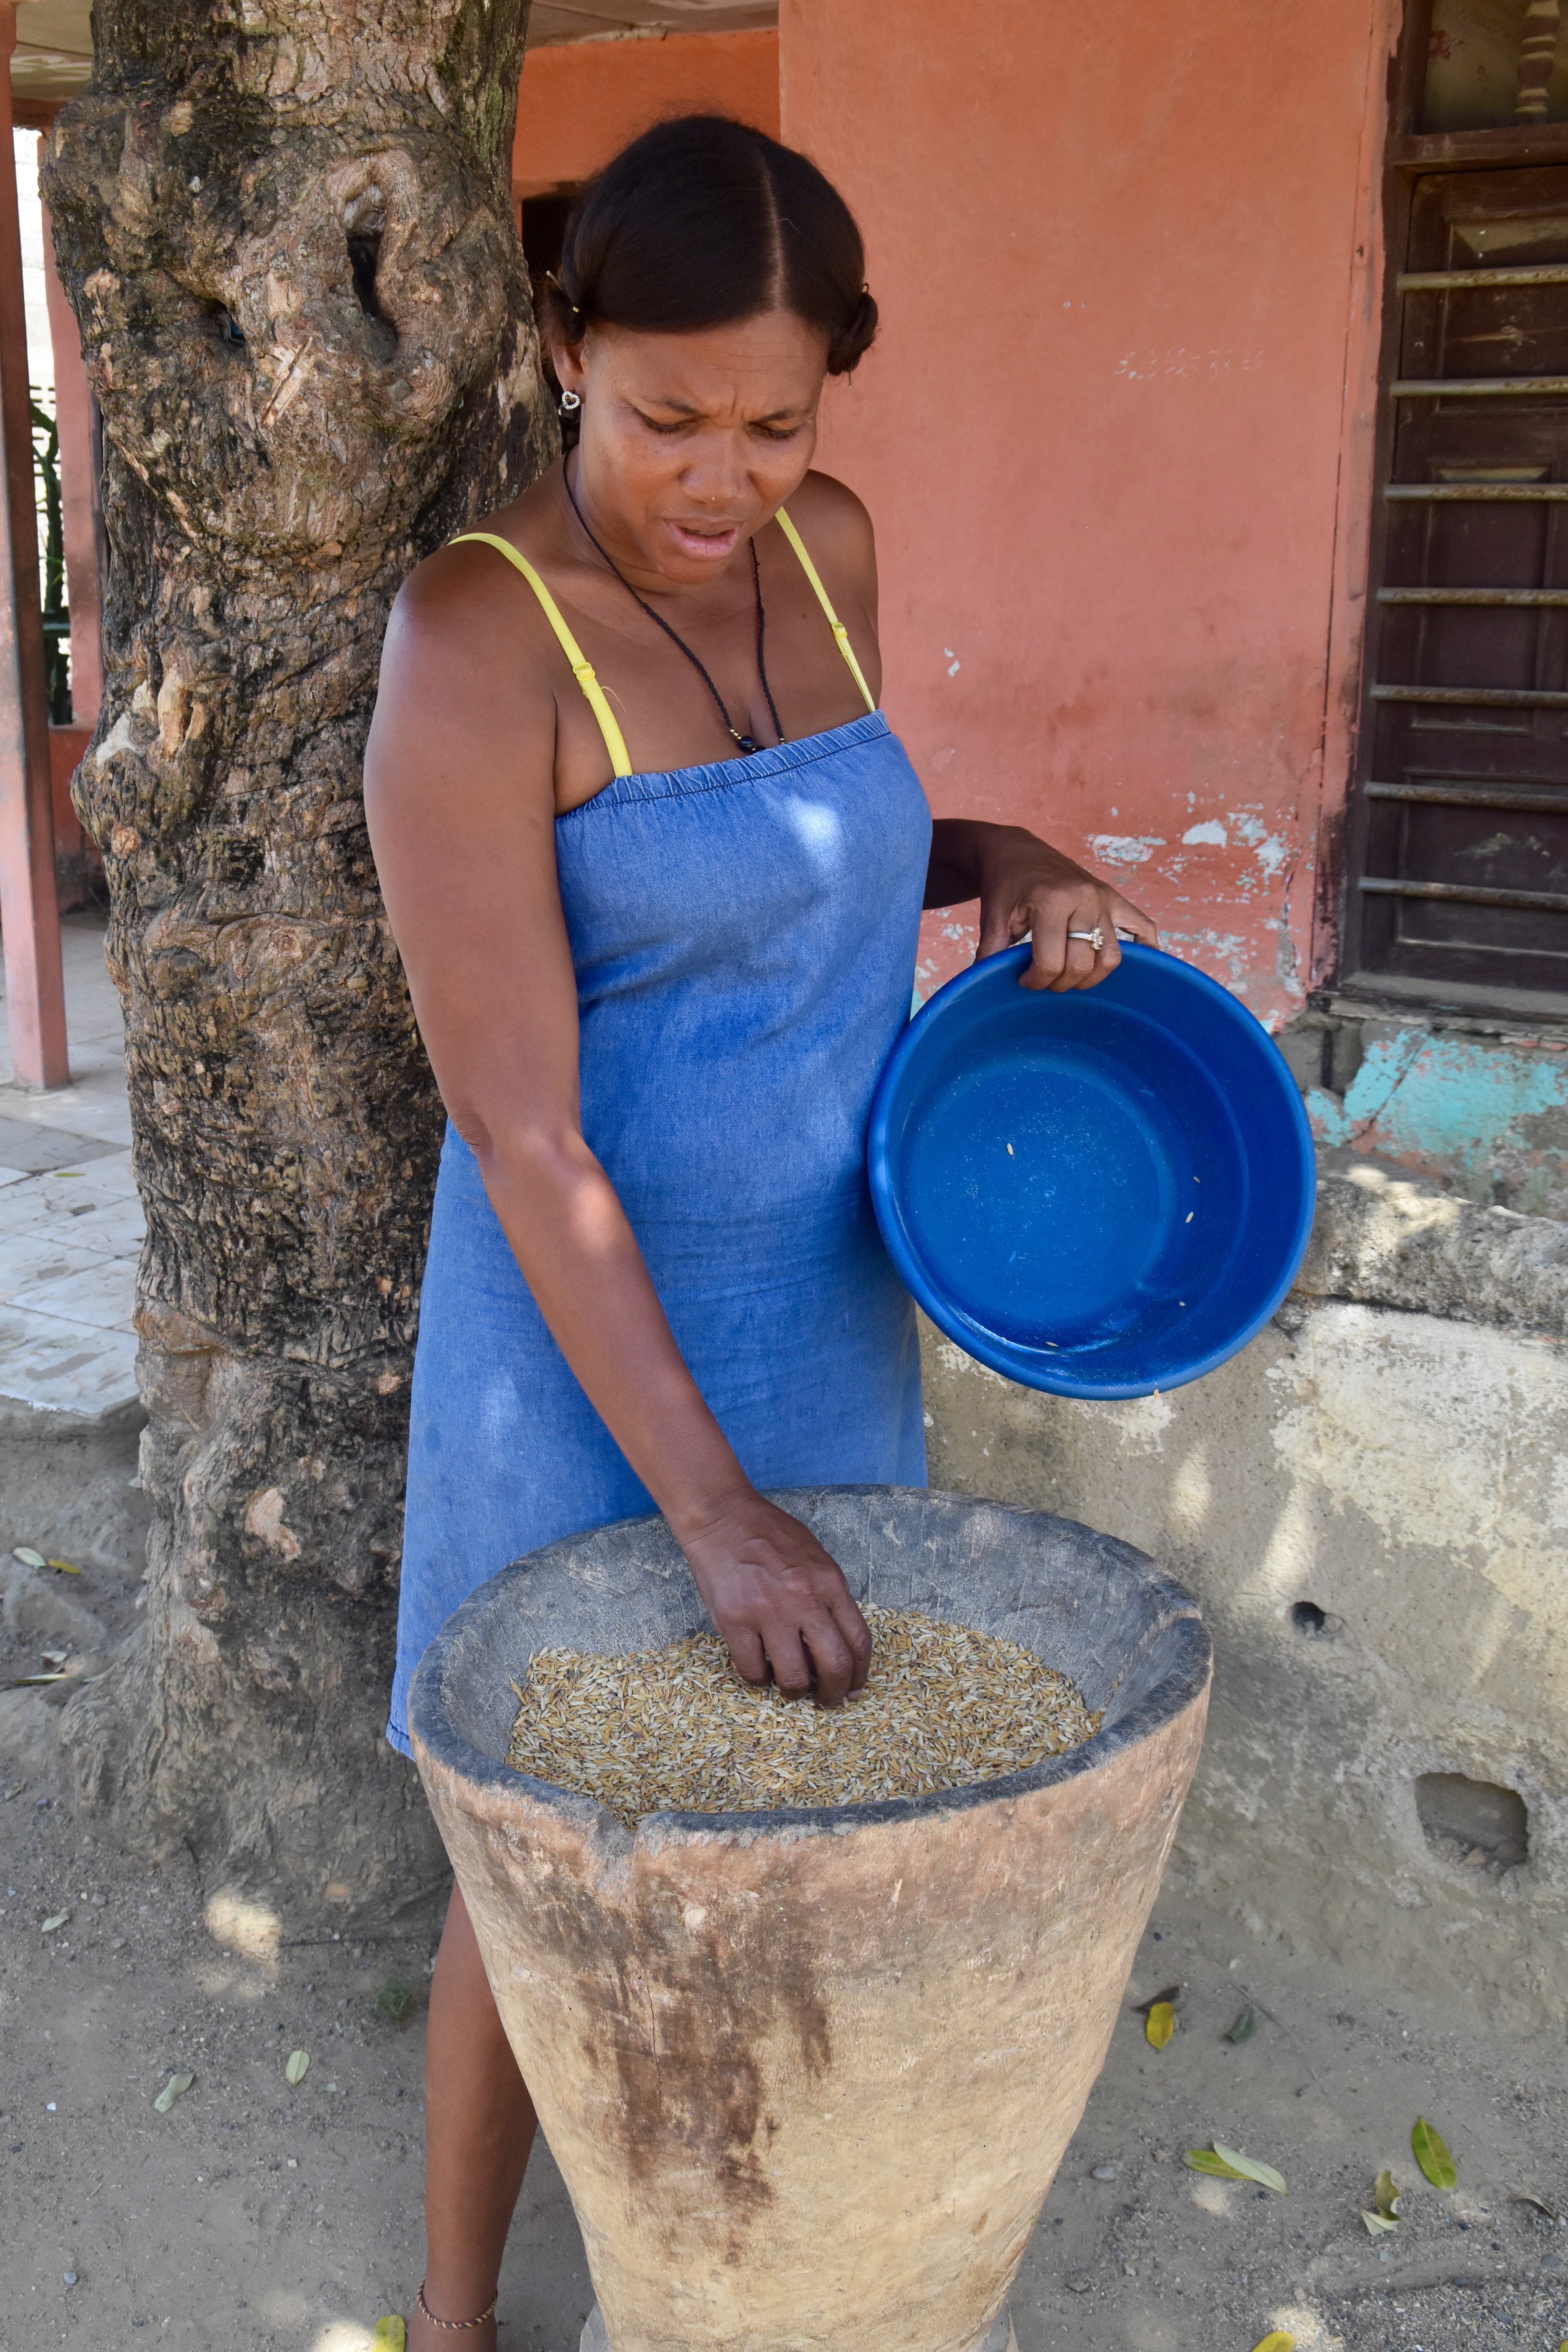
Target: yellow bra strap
(835, 624)
(583, 671)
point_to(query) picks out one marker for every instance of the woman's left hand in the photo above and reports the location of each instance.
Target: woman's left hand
(1027, 889)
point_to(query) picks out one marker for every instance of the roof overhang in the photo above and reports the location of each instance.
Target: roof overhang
(53, 57)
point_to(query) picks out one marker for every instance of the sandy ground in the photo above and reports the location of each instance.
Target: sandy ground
(254, 2214)
(257, 2215)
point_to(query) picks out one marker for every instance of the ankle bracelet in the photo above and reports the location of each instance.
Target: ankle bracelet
(457, 2325)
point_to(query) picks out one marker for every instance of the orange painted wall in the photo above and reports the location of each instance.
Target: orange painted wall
(580, 102)
(1114, 435)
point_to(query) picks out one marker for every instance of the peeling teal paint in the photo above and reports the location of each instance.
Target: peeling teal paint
(1489, 1115)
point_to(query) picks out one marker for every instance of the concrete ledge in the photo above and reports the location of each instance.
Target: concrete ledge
(1370, 1504)
(1384, 1237)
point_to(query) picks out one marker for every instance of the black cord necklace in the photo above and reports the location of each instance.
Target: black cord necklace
(748, 743)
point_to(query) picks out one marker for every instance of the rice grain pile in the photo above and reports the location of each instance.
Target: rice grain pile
(677, 1730)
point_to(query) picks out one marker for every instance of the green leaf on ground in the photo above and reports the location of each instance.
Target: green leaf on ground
(298, 2066)
(389, 2336)
(397, 2002)
(1431, 2154)
(1250, 2169)
(57, 1921)
(1204, 2159)
(174, 2088)
(1277, 2342)
(1376, 2222)
(28, 1557)
(1246, 2026)
(1159, 2024)
(1387, 2195)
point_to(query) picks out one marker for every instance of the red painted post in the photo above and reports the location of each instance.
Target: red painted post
(78, 491)
(29, 912)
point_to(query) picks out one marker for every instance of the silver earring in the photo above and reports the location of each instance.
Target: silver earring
(571, 402)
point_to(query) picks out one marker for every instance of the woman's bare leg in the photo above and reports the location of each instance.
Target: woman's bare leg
(478, 2129)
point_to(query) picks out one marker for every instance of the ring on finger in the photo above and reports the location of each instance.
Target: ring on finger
(1096, 937)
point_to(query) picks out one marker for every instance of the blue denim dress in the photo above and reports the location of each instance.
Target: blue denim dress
(744, 940)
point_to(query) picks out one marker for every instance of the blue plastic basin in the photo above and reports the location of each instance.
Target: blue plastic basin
(1100, 1193)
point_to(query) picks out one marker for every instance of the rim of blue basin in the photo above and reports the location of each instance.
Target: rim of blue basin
(1163, 1082)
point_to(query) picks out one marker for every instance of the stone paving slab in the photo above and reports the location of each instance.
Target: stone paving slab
(103, 1294)
(44, 1203)
(113, 1228)
(66, 1366)
(70, 1220)
(31, 1148)
(39, 1257)
(67, 1285)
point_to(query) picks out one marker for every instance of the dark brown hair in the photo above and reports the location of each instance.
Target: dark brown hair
(703, 222)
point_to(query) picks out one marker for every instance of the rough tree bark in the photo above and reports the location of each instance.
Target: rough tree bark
(286, 229)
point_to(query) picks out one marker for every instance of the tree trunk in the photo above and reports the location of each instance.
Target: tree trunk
(287, 231)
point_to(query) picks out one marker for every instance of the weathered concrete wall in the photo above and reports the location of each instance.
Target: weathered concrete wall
(1484, 1114)
(1401, 1468)
(1115, 432)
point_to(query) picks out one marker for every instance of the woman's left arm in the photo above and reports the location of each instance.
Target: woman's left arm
(1027, 888)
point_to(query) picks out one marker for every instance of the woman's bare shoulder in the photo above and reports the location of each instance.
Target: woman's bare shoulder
(468, 578)
(466, 703)
(466, 611)
(836, 532)
(829, 516)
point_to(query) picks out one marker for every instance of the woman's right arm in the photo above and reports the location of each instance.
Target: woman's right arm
(459, 798)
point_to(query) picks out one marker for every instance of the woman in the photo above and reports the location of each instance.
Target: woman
(655, 865)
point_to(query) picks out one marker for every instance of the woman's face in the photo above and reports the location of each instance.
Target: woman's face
(689, 441)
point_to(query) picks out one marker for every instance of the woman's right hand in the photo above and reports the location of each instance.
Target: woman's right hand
(779, 1599)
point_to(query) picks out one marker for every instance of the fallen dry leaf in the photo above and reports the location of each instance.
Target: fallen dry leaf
(1528, 2197)
(1277, 2342)
(65, 1567)
(57, 1921)
(28, 1557)
(297, 2066)
(1387, 2196)
(1376, 2222)
(1251, 2169)
(1159, 2024)
(174, 2088)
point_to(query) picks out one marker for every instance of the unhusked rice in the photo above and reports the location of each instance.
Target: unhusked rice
(677, 1730)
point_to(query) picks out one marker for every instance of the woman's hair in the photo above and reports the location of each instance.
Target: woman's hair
(703, 222)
